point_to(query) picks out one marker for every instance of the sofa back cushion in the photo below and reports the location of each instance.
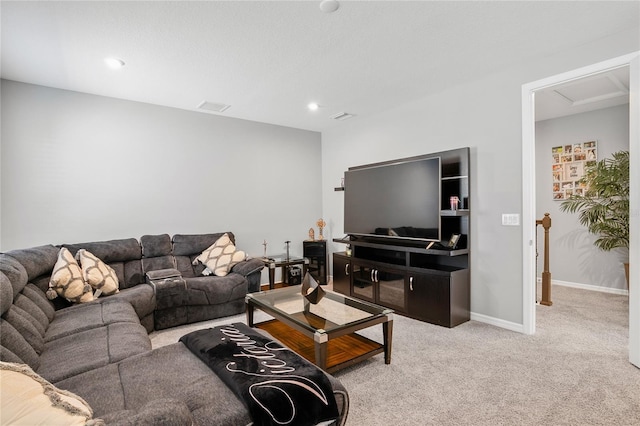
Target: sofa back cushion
(39, 318)
(156, 253)
(38, 297)
(36, 261)
(6, 293)
(187, 247)
(122, 255)
(15, 272)
(24, 325)
(15, 345)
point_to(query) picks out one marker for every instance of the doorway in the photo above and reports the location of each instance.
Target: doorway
(529, 193)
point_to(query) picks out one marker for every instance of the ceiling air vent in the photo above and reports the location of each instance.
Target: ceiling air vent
(341, 116)
(213, 107)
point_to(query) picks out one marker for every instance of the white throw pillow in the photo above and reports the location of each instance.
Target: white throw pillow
(97, 274)
(220, 257)
(28, 399)
(67, 281)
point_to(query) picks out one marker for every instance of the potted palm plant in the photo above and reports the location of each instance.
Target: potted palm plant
(604, 206)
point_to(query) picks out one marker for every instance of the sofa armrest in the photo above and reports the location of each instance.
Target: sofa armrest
(157, 412)
(248, 267)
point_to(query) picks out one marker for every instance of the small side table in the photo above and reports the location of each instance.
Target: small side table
(281, 261)
(316, 252)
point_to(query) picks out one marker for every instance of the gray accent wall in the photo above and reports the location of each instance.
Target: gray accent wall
(486, 115)
(78, 167)
(573, 257)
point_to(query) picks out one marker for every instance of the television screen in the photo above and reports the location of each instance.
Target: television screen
(400, 199)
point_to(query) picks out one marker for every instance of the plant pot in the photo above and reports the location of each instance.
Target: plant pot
(626, 273)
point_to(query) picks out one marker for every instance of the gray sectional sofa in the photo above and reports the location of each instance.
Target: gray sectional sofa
(101, 350)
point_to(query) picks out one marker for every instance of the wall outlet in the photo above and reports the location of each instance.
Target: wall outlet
(510, 219)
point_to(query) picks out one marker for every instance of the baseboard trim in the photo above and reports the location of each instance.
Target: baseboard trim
(512, 326)
(618, 291)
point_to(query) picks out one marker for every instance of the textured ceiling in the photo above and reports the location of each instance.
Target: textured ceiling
(269, 59)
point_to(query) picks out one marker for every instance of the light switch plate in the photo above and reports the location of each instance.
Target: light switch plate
(510, 219)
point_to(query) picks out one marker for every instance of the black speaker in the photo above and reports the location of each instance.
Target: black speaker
(294, 275)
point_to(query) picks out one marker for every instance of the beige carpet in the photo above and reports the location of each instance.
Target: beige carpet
(573, 371)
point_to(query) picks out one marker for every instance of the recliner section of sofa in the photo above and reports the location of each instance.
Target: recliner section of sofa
(193, 297)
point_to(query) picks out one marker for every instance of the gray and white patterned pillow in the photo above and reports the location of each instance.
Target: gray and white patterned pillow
(97, 274)
(67, 281)
(220, 257)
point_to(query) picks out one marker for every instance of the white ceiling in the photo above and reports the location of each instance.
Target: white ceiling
(602, 90)
(269, 59)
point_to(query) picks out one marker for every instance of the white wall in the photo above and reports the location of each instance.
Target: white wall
(573, 257)
(485, 115)
(78, 167)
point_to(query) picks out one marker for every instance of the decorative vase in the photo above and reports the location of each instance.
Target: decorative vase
(311, 290)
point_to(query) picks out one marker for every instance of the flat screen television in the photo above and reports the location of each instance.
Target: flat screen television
(395, 200)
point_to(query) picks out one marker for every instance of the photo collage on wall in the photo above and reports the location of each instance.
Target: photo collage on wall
(569, 164)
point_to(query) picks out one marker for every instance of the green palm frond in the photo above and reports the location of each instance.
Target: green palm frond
(604, 207)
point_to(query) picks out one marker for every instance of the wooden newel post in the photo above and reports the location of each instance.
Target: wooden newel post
(546, 275)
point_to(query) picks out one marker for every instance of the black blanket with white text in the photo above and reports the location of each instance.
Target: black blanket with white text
(278, 386)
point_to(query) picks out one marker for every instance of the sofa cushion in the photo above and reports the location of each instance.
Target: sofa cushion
(23, 324)
(129, 273)
(39, 318)
(13, 342)
(186, 245)
(8, 356)
(155, 245)
(220, 257)
(6, 293)
(215, 290)
(142, 297)
(15, 272)
(30, 400)
(86, 350)
(97, 274)
(87, 316)
(67, 280)
(37, 296)
(183, 377)
(36, 261)
(110, 251)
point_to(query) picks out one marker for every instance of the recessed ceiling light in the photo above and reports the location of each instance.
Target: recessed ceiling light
(114, 63)
(329, 6)
(313, 106)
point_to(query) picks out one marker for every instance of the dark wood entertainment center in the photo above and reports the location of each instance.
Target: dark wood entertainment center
(431, 285)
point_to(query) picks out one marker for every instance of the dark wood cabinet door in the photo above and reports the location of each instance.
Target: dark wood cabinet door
(391, 285)
(363, 285)
(342, 274)
(429, 298)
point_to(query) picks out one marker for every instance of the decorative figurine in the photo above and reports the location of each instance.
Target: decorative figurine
(265, 248)
(321, 224)
(453, 201)
(312, 234)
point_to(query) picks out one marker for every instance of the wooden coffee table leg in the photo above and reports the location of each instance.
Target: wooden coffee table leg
(250, 314)
(387, 331)
(321, 341)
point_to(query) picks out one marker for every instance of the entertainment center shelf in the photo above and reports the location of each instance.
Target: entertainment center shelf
(427, 284)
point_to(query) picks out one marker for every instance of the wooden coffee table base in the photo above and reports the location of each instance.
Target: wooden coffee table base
(342, 351)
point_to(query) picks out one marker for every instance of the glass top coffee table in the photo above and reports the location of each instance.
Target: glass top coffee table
(324, 333)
